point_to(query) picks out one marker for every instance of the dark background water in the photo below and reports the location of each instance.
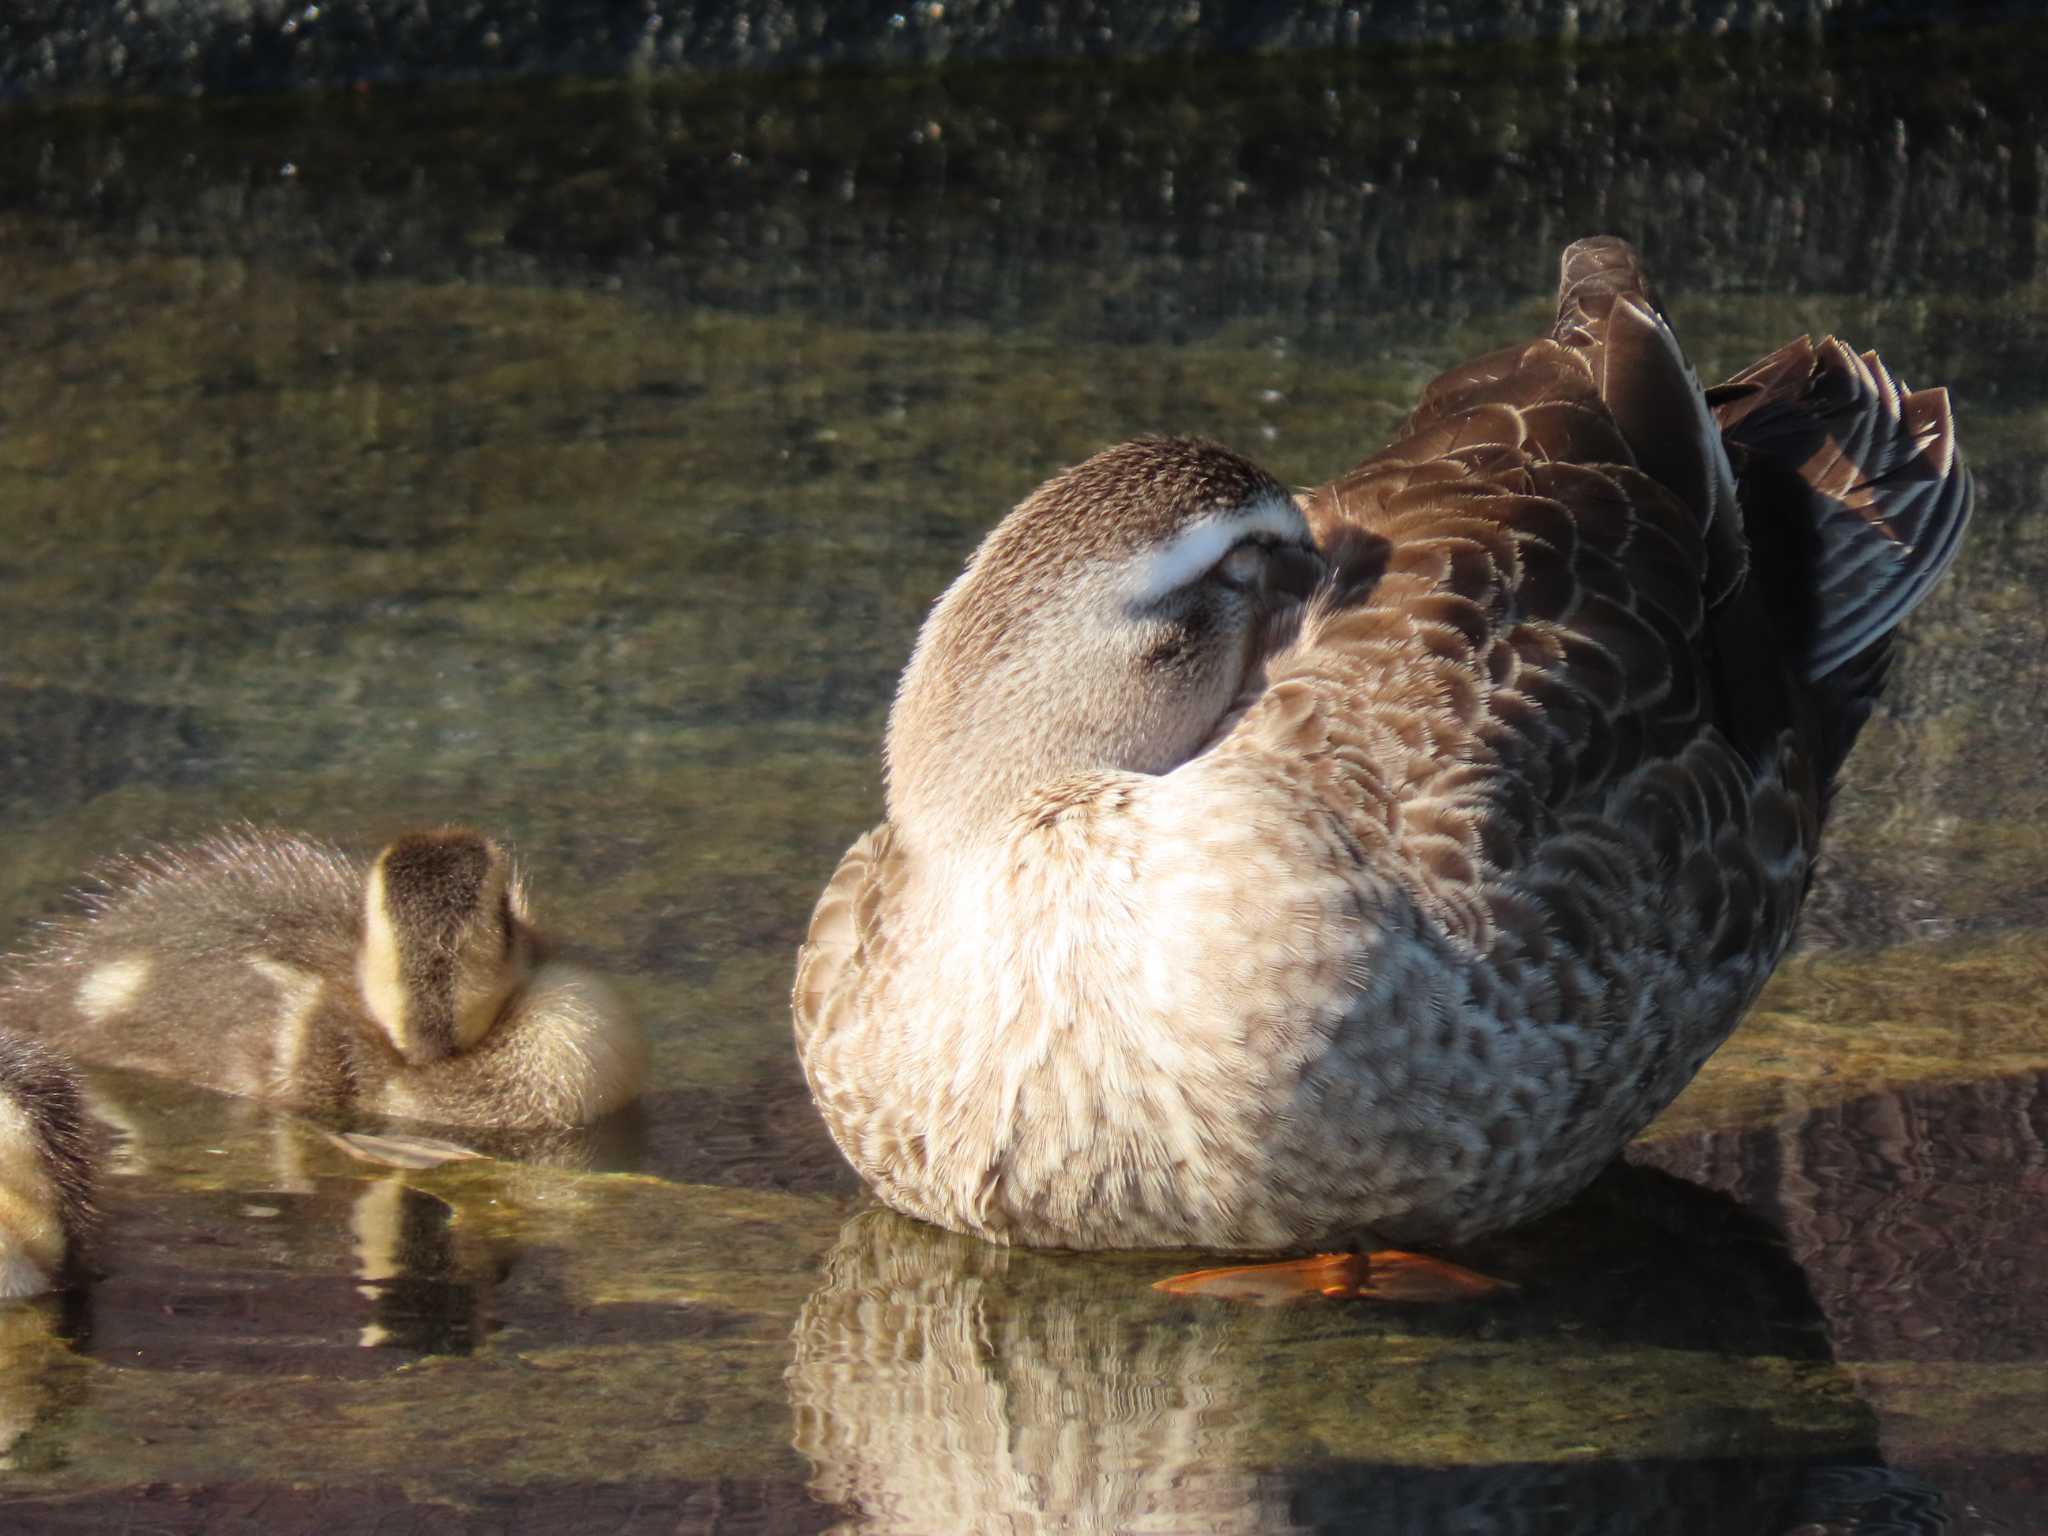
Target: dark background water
(578, 459)
(178, 47)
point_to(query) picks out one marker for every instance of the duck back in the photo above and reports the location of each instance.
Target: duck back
(228, 963)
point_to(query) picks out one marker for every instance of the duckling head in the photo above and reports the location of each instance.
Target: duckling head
(446, 941)
(46, 1166)
(1108, 623)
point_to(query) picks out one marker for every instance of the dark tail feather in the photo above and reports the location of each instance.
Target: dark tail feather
(1607, 309)
(1856, 497)
(1592, 274)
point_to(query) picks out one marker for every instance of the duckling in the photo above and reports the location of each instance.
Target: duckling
(275, 966)
(46, 1166)
(1265, 872)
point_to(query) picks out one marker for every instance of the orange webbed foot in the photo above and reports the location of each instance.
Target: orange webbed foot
(1387, 1275)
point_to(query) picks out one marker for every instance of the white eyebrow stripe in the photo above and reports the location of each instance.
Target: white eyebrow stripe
(1195, 549)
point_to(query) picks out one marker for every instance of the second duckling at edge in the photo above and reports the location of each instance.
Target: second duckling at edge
(46, 1167)
(275, 966)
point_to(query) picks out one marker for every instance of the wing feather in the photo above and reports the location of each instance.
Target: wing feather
(1521, 680)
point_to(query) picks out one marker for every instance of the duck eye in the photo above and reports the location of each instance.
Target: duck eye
(1243, 566)
(1169, 648)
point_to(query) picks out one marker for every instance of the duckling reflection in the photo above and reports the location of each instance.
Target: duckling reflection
(289, 1259)
(343, 1280)
(39, 1382)
(1677, 1382)
(271, 965)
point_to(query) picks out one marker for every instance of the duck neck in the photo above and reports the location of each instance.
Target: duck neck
(960, 760)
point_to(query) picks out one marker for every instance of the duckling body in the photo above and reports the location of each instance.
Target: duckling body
(278, 967)
(1204, 917)
(45, 1166)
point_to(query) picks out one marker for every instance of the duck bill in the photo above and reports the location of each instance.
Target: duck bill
(1293, 573)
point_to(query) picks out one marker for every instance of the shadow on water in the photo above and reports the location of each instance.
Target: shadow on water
(579, 460)
(1915, 1215)
(762, 1134)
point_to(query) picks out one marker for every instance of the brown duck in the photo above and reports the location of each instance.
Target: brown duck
(1264, 872)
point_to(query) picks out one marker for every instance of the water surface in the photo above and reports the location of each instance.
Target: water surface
(578, 461)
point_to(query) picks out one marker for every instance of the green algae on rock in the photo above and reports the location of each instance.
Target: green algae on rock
(1832, 1026)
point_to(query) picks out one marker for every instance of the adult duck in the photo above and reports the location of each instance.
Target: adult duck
(1264, 871)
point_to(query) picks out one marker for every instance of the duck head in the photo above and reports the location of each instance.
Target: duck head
(1108, 623)
(446, 941)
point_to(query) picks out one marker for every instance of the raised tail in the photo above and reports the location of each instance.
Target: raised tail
(1608, 312)
(1855, 497)
(1876, 471)
(1839, 493)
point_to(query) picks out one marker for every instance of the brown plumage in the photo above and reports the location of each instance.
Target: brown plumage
(1434, 893)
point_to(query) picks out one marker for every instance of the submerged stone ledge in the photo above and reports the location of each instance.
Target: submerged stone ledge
(185, 47)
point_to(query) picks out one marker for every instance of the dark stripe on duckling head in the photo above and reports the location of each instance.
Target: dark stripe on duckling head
(433, 885)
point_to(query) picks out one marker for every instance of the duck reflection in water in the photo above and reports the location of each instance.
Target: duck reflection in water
(39, 1384)
(344, 1279)
(308, 1276)
(1682, 1383)
(293, 1271)
(308, 1262)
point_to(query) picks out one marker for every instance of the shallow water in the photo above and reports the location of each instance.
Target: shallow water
(578, 461)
